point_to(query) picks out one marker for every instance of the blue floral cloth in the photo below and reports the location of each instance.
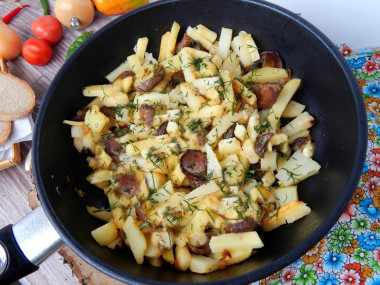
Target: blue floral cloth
(350, 253)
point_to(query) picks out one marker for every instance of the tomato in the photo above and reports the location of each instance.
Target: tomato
(48, 28)
(36, 51)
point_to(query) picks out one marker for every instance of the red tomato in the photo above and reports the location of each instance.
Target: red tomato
(48, 28)
(36, 51)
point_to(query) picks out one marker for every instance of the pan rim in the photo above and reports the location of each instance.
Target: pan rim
(258, 273)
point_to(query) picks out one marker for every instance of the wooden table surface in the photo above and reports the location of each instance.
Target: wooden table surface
(15, 182)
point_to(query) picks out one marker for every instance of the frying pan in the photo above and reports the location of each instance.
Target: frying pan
(328, 89)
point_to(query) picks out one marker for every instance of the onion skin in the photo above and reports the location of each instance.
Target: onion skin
(10, 42)
(83, 10)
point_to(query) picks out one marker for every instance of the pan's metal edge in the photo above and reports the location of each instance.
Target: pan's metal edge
(259, 273)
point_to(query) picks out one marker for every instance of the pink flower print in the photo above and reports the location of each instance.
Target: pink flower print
(318, 266)
(287, 277)
(350, 277)
(372, 185)
(375, 162)
(345, 50)
(348, 213)
(370, 67)
(376, 55)
(376, 255)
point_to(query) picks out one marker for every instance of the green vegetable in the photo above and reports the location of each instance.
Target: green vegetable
(78, 41)
(45, 6)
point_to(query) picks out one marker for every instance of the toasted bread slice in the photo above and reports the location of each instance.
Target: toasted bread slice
(5, 130)
(16, 97)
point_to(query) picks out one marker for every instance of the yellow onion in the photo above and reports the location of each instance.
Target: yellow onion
(10, 42)
(75, 14)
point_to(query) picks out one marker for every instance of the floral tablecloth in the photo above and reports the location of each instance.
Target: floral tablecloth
(350, 253)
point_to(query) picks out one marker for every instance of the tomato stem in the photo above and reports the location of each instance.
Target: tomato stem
(45, 6)
(7, 18)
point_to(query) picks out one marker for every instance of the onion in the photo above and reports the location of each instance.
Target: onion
(75, 14)
(10, 42)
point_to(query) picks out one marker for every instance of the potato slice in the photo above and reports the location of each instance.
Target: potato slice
(163, 194)
(296, 169)
(222, 126)
(282, 101)
(234, 169)
(177, 177)
(198, 193)
(187, 66)
(136, 239)
(168, 256)
(100, 214)
(224, 42)
(100, 175)
(227, 147)
(117, 71)
(153, 250)
(101, 91)
(135, 148)
(285, 195)
(235, 241)
(193, 100)
(240, 90)
(293, 109)
(163, 47)
(248, 151)
(286, 215)
(232, 257)
(196, 36)
(301, 123)
(264, 74)
(141, 45)
(202, 264)
(213, 166)
(225, 87)
(105, 234)
(172, 40)
(211, 111)
(182, 258)
(95, 119)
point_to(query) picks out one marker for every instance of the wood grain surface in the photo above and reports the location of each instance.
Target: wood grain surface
(15, 182)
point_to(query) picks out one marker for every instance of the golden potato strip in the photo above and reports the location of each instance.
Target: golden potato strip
(187, 65)
(163, 47)
(136, 239)
(193, 100)
(105, 234)
(224, 42)
(286, 215)
(283, 99)
(226, 88)
(302, 122)
(141, 46)
(207, 33)
(172, 40)
(264, 74)
(117, 71)
(247, 240)
(194, 34)
(296, 169)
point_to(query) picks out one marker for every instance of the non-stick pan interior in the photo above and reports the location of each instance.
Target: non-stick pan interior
(328, 90)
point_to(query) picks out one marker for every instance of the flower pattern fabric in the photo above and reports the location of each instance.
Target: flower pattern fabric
(350, 252)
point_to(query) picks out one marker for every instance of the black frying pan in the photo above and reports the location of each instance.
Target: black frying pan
(329, 90)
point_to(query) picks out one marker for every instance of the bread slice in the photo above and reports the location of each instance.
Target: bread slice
(16, 97)
(5, 130)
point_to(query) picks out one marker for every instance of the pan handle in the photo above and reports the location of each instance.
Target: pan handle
(25, 245)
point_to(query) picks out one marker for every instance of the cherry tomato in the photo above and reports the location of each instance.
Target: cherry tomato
(36, 51)
(48, 28)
